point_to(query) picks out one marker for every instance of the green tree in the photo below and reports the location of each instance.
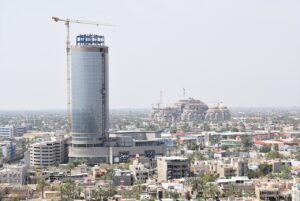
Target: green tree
(210, 191)
(209, 177)
(274, 155)
(246, 141)
(173, 129)
(174, 194)
(17, 198)
(265, 149)
(253, 174)
(206, 127)
(41, 186)
(285, 173)
(138, 186)
(99, 193)
(202, 186)
(264, 169)
(186, 127)
(68, 188)
(193, 146)
(234, 129)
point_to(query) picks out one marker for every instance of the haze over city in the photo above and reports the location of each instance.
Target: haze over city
(161, 100)
(244, 53)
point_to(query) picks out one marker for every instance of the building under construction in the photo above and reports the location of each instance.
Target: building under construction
(90, 111)
(89, 95)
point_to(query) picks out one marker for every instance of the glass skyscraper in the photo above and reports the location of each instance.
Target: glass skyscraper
(89, 97)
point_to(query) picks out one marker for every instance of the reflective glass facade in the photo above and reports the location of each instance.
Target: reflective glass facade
(89, 96)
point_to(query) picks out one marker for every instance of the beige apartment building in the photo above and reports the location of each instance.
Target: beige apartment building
(48, 153)
(172, 168)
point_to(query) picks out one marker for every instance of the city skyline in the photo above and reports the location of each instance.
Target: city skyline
(245, 54)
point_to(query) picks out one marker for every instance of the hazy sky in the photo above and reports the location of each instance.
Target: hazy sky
(244, 53)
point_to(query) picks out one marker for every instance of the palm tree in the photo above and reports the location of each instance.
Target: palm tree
(99, 193)
(68, 188)
(138, 186)
(111, 190)
(198, 185)
(175, 195)
(41, 185)
(210, 191)
(78, 191)
(61, 191)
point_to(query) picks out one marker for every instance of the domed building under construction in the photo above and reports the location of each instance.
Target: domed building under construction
(190, 110)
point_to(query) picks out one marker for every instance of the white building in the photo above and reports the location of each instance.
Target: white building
(296, 192)
(6, 131)
(5, 150)
(10, 131)
(48, 153)
(13, 174)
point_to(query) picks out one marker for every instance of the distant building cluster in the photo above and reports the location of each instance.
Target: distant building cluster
(188, 151)
(10, 131)
(191, 111)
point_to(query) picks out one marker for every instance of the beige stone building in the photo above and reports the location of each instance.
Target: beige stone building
(13, 174)
(172, 168)
(48, 153)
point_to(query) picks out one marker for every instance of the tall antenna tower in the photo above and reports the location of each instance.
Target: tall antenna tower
(161, 97)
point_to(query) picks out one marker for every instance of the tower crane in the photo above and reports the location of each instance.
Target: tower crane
(67, 22)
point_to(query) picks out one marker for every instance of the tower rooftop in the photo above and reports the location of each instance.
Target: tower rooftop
(89, 39)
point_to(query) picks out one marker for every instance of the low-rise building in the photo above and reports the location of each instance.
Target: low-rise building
(139, 171)
(230, 167)
(10, 131)
(273, 190)
(6, 131)
(242, 184)
(296, 192)
(122, 178)
(13, 174)
(12, 149)
(172, 168)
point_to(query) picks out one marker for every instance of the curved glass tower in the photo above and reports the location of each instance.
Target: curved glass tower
(89, 96)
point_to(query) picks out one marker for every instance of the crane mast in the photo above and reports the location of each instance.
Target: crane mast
(67, 22)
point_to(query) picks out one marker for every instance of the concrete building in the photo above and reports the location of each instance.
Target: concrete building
(48, 153)
(10, 131)
(141, 171)
(13, 174)
(126, 145)
(172, 168)
(6, 131)
(122, 178)
(90, 138)
(12, 149)
(89, 99)
(230, 167)
(20, 130)
(296, 192)
(242, 184)
(274, 190)
(218, 112)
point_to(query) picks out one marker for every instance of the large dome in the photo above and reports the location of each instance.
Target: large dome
(190, 110)
(218, 112)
